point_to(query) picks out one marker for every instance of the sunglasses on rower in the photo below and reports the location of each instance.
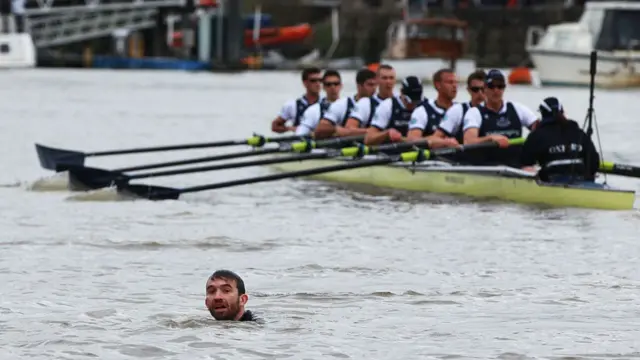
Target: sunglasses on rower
(476, 89)
(331, 83)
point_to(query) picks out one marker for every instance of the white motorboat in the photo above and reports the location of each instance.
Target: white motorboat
(612, 28)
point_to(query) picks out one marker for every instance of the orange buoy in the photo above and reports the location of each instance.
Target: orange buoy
(373, 67)
(520, 76)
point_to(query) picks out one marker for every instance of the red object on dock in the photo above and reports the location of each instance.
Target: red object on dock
(278, 35)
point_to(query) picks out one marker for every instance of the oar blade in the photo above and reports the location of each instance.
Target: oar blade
(57, 159)
(83, 178)
(149, 192)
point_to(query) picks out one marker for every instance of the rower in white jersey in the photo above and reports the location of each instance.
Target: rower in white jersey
(451, 123)
(332, 84)
(427, 116)
(497, 120)
(332, 124)
(363, 111)
(291, 113)
(391, 119)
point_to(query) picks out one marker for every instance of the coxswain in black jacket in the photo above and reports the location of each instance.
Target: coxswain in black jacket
(560, 147)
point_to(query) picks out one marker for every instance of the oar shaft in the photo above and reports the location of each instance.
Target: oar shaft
(619, 169)
(292, 174)
(277, 160)
(200, 160)
(254, 141)
(293, 147)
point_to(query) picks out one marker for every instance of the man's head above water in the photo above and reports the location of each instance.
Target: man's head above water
(226, 295)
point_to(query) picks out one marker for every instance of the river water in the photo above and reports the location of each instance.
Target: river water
(335, 272)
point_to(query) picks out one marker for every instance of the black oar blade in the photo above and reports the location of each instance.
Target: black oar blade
(149, 192)
(83, 178)
(56, 159)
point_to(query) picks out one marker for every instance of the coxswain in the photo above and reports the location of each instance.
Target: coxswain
(451, 123)
(362, 112)
(560, 147)
(497, 120)
(291, 113)
(391, 118)
(333, 121)
(226, 297)
(332, 85)
(426, 117)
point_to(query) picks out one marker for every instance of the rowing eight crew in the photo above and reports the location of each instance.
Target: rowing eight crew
(560, 148)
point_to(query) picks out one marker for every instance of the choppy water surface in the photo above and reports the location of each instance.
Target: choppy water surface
(335, 271)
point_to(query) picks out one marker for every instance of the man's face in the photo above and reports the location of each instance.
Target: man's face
(447, 86)
(312, 84)
(368, 88)
(332, 86)
(387, 79)
(495, 90)
(476, 91)
(223, 300)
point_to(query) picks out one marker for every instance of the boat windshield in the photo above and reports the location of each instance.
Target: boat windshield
(620, 31)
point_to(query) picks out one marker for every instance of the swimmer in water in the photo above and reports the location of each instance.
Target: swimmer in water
(226, 297)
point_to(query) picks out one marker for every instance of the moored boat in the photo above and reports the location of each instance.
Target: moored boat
(561, 56)
(482, 182)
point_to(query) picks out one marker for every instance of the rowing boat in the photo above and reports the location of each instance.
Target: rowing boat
(482, 182)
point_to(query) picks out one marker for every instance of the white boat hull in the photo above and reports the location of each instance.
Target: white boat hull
(17, 51)
(571, 69)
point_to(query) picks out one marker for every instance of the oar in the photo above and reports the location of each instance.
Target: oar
(619, 169)
(109, 178)
(83, 178)
(153, 192)
(55, 159)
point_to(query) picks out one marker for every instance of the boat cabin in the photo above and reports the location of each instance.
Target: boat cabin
(427, 38)
(619, 25)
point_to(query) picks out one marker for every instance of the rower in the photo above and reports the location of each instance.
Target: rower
(362, 113)
(226, 297)
(332, 124)
(497, 120)
(292, 110)
(332, 84)
(563, 150)
(391, 118)
(426, 117)
(451, 123)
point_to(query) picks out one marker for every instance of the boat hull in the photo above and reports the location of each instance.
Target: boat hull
(557, 68)
(500, 183)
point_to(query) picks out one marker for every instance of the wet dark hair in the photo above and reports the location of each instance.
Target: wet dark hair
(308, 71)
(476, 75)
(330, 72)
(363, 75)
(230, 275)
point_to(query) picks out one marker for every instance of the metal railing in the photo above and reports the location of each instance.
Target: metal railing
(66, 28)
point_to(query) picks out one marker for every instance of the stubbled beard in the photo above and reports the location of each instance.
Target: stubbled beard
(226, 316)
